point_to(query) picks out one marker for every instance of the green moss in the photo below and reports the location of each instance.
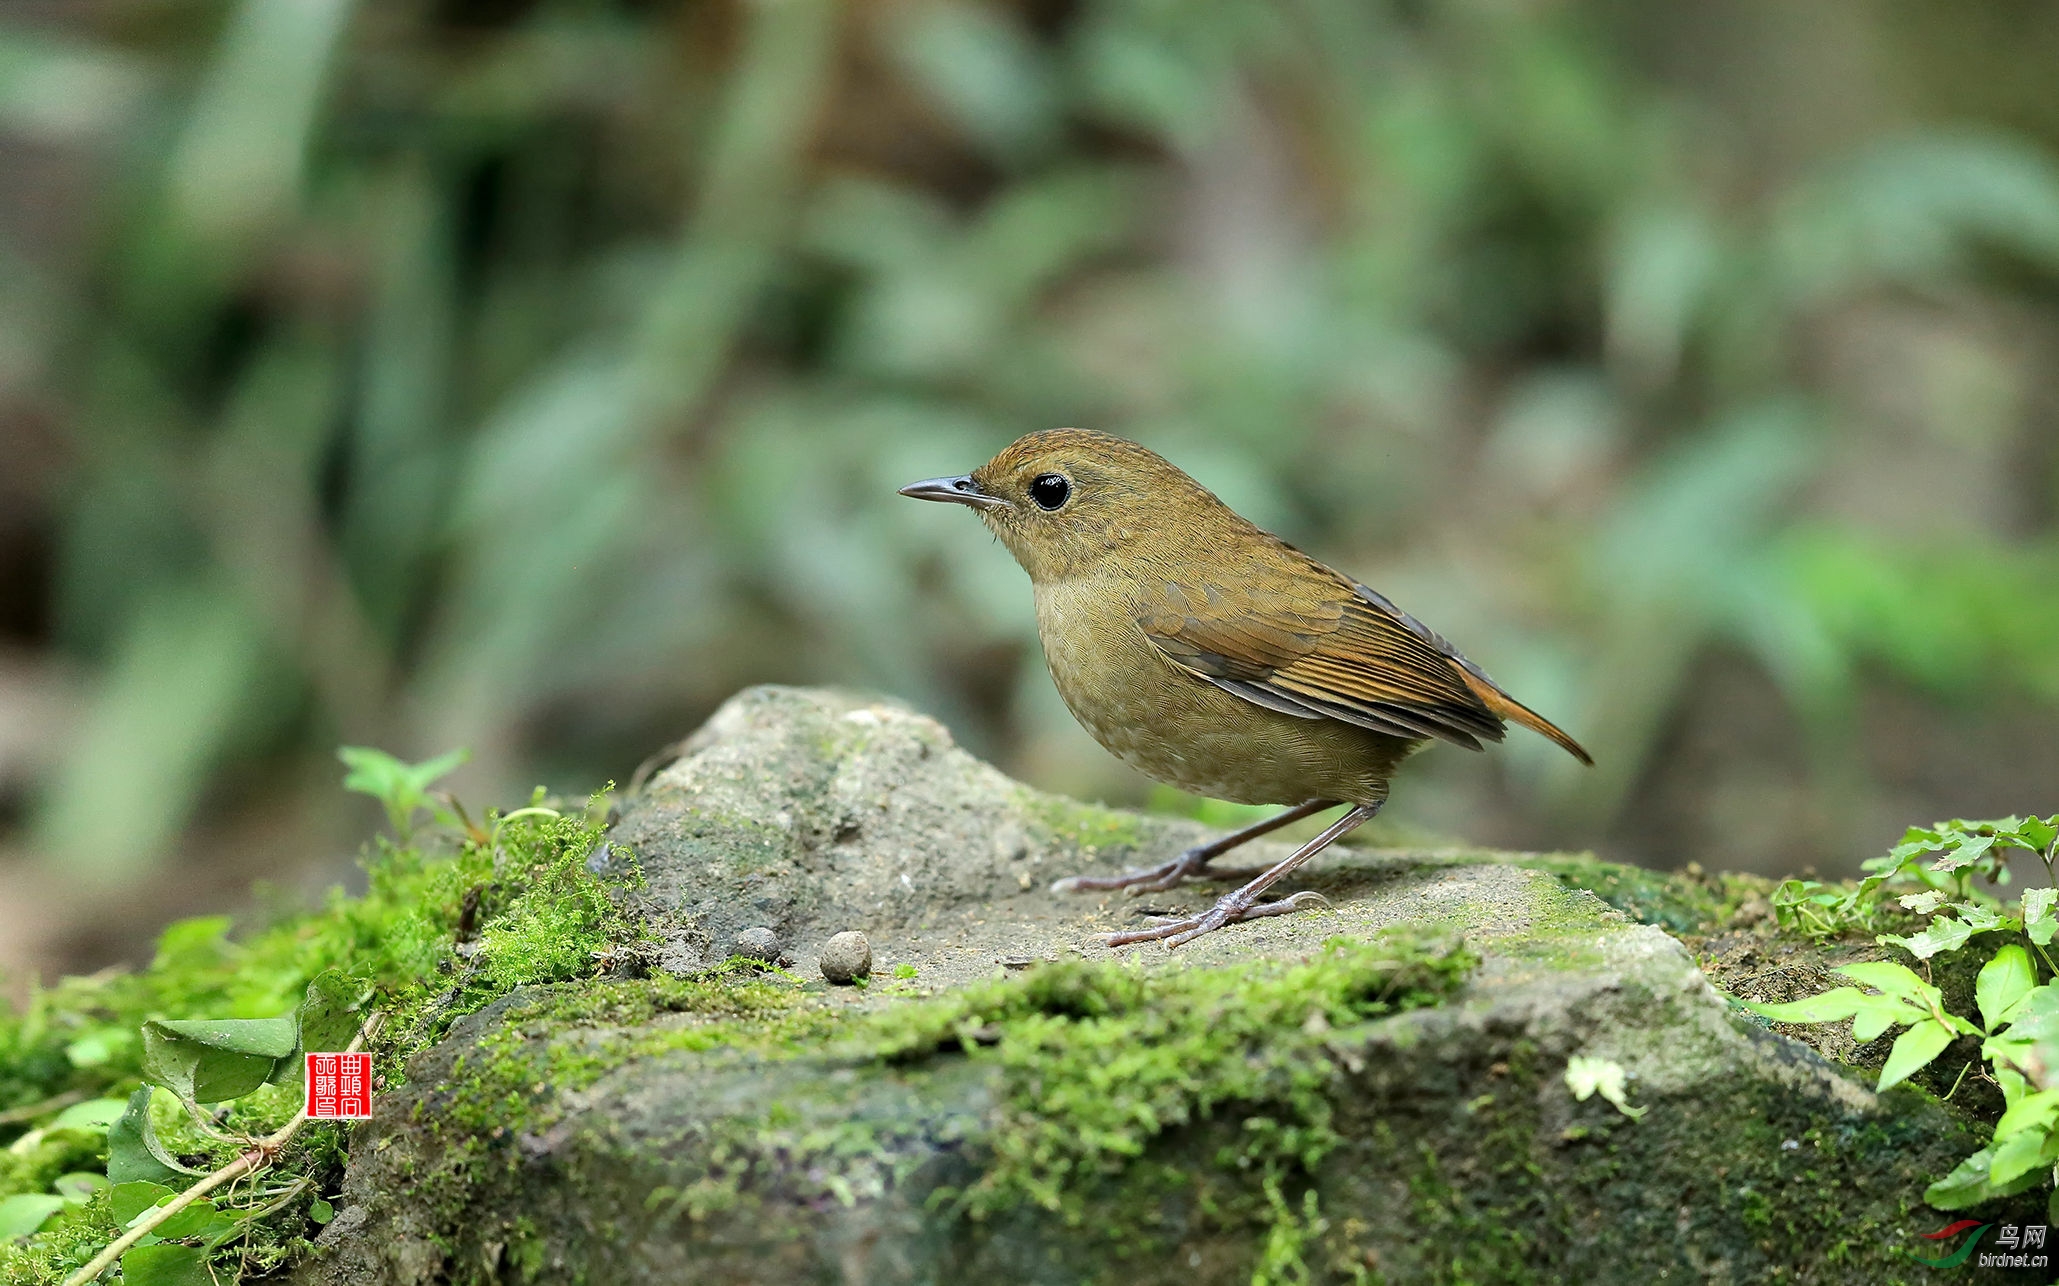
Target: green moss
(1494, 1190)
(550, 1043)
(746, 843)
(1089, 828)
(560, 924)
(1091, 1066)
(1678, 901)
(1098, 1059)
(67, 1243)
(1480, 1196)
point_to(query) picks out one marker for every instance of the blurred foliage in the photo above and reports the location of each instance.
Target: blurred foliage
(530, 374)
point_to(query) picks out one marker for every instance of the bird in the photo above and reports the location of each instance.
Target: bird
(1211, 655)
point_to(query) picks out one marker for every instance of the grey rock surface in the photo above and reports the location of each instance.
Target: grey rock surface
(1463, 1155)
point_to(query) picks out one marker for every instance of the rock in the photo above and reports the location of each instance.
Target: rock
(1374, 1091)
(756, 943)
(847, 957)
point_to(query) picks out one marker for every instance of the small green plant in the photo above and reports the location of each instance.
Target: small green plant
(403, 788)
(1587, 1077)
(1962, 855)
(170, 1225)
(2019, 1014)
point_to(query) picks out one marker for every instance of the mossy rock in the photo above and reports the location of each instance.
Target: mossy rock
(1375, 1092)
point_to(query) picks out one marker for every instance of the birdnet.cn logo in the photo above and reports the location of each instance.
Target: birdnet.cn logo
(2012, 1246)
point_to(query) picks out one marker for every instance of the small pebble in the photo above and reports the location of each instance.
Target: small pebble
(758, 943)
(847, 957)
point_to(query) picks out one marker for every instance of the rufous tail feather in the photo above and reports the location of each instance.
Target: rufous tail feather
(1501, 703)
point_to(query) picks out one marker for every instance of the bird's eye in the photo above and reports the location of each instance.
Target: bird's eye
(1050, 491)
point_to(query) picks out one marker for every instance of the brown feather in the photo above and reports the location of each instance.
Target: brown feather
(1299, 638)
(1509, 708)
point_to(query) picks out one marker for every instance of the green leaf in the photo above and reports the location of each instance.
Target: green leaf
(127, 1200)
(1968, 1184)
(1944, 934)
(78, 1187)
(1925, 902)
(210, 1060)
(2039, 832)
(97, 1047)
(1913, 1050)
(2041, 932)
(133, 1151)
(227, 1225)
(188, 1222)
(1968, 851)
(327, 1020)
(1916, 841)
(1878, 1013)
(1965, 1186)
(1984, 919)
(95, 1114)
(1892, 979)
(2037, 1016)
(1842, 1002)
(2008, 1078)
(2011, 1057)
(2032, 1112)
(402, 787)
(25, 1212)
(2037, 905)
(1870, 1014)
(2004, 983)
(321, 1211)
(165, 1265)
(2018, 1156)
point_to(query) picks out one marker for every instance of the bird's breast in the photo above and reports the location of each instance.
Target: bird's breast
(1180, 729)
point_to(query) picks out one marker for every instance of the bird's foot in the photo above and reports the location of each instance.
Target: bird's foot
(1148, 879)
(1231, 908)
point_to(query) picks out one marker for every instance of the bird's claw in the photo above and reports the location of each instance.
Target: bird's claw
(1227, 910)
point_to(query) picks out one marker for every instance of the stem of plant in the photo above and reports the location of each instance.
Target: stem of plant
(2052, 968)
(533, 811)
(15, 1115)
(258, 1155)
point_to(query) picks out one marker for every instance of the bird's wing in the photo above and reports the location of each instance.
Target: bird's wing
(1304, 641)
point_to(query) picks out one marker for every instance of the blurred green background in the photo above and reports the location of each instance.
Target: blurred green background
(529, 375)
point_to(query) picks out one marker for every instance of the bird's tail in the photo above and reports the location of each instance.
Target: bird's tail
(1506, 706)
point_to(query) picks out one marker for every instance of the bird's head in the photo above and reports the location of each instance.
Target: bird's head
(1064, 499)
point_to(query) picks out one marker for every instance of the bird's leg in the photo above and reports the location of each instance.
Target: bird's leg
(1243, 904)
(1155, 879)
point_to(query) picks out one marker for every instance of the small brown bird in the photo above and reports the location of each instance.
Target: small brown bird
(1213, 655)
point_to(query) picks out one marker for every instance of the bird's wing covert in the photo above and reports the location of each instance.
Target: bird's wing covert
(1318, 647)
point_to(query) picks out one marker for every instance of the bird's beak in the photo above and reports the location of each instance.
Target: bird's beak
(961, 490)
